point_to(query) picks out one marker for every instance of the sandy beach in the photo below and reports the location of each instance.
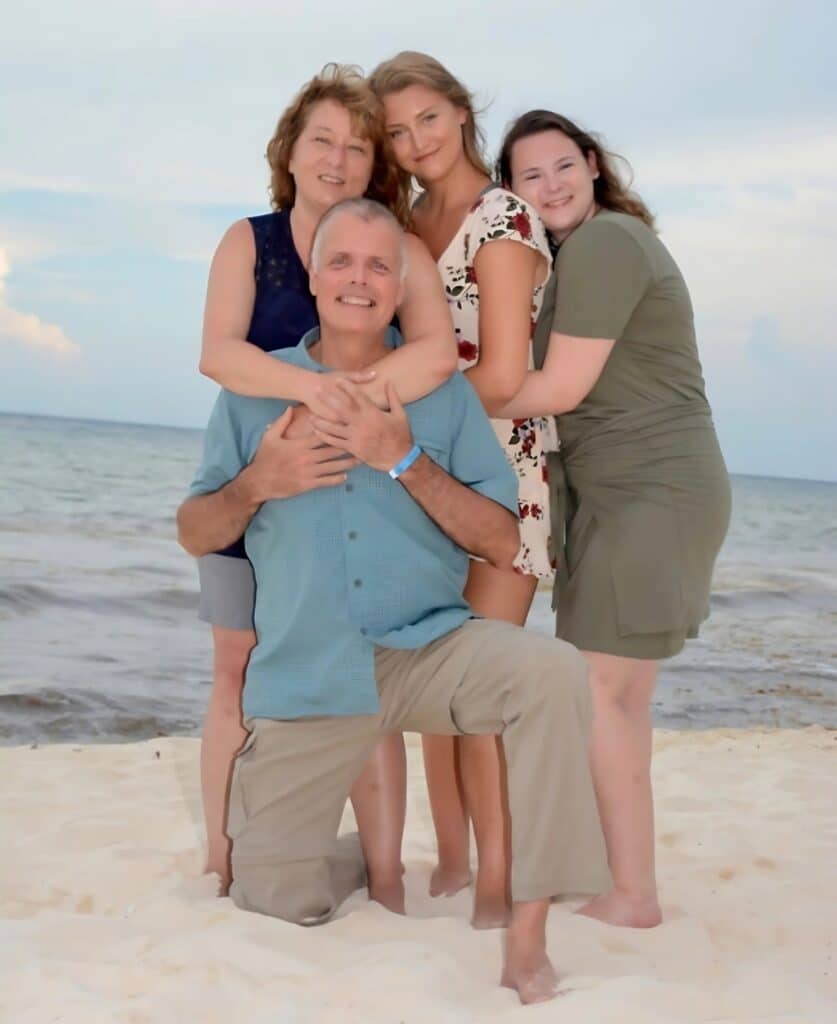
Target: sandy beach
(106, 918)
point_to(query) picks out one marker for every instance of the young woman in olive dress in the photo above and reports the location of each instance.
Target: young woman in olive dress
(640, 493)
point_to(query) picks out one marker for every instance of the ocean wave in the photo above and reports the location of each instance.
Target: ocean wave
(46, 714)
(806, 597)
(31, 598)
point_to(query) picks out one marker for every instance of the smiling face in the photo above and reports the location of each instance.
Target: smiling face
(330, 161)
(426, 131)
(551, 173)
(356, 274)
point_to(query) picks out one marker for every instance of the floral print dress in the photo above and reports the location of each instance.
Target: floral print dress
(500, 215)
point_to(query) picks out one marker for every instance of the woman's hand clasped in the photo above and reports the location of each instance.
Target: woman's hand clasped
(380, 438)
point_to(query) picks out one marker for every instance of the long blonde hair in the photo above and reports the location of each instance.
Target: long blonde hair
(346, 85)
(412, 68)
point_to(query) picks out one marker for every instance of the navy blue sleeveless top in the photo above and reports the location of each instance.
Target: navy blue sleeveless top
(284, 308)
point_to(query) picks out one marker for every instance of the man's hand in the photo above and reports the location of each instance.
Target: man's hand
(283, 467)
(356, 425)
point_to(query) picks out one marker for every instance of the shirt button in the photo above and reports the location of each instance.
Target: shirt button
(350, 487)
(358, 583)
(363, 630)
(352, 534)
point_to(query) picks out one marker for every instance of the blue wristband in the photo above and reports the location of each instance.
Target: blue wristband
(405, 463)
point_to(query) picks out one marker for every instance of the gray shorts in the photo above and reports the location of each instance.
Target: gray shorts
(228, 591)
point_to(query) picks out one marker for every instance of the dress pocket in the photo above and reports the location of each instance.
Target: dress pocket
(646, 565)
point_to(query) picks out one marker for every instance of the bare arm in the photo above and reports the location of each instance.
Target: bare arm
(428, 356)
(281, 468)
(477, 524)
(381, 439)
(570, 370)
(227, 357)
(506, 271)
(211, 522)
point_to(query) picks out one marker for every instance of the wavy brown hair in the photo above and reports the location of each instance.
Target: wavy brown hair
(346, 85)
(610, 190)
(412, 68)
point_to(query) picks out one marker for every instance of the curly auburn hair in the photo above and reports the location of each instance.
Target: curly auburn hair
(610, 191)
(346, 85)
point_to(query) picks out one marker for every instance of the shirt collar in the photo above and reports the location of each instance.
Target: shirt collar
(311, 337)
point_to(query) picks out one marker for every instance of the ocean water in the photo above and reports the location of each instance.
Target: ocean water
(99, 638)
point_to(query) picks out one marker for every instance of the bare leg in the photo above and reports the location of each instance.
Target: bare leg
(379, 800)
(450, 820)
(494, 594)
(223, 736)
(526, 967)
(620, 756)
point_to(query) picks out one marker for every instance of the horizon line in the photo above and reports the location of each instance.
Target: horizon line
(175, 426)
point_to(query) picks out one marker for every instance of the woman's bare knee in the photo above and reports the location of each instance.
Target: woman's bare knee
(627, 683)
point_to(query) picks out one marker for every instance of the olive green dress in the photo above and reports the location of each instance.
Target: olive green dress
(639, 491)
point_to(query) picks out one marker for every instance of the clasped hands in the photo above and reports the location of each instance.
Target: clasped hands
(302, 451)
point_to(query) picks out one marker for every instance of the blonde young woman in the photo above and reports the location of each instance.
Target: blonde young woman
(329, 145)
(493, 257)
(640, 489)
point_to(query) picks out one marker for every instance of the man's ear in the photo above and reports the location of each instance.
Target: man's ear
(312, 280)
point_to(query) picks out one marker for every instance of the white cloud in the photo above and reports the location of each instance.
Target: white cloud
(753, 224)
(27, 329)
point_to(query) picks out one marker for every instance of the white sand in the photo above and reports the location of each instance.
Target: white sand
(106, 919)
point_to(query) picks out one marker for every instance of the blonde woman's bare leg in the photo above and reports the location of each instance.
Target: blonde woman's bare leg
(379, 799)
(450, 819)
(223, 736)
(505, 595)
(620, 756)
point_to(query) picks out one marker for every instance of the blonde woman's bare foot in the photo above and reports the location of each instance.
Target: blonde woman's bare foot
(490, 916)
(492, 906)
(389, 895)
(621, 911)
(447, 881)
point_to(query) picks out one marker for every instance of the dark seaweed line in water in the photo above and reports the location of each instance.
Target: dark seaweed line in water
(30, 598)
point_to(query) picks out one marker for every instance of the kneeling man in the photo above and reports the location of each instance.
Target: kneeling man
(362, 627)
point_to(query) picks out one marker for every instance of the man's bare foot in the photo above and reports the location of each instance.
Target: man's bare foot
(446, 881)
(526, 967)
(620, 910)
(533, 978)
(389, 895)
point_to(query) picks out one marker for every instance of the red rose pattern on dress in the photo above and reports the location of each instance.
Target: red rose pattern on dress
(499, 214)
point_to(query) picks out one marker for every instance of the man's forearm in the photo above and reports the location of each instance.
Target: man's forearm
(476, 523)
(209, 522)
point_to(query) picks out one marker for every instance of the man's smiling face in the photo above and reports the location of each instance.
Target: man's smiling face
(357, 277)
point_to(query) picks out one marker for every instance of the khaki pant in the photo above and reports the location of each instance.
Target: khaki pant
(292, 779)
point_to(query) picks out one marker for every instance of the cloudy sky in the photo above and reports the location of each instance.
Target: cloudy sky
(133, 133)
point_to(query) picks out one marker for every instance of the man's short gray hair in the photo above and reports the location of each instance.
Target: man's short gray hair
(367, 210)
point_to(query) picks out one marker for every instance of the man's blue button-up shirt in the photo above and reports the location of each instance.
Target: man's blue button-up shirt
(342, 569)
